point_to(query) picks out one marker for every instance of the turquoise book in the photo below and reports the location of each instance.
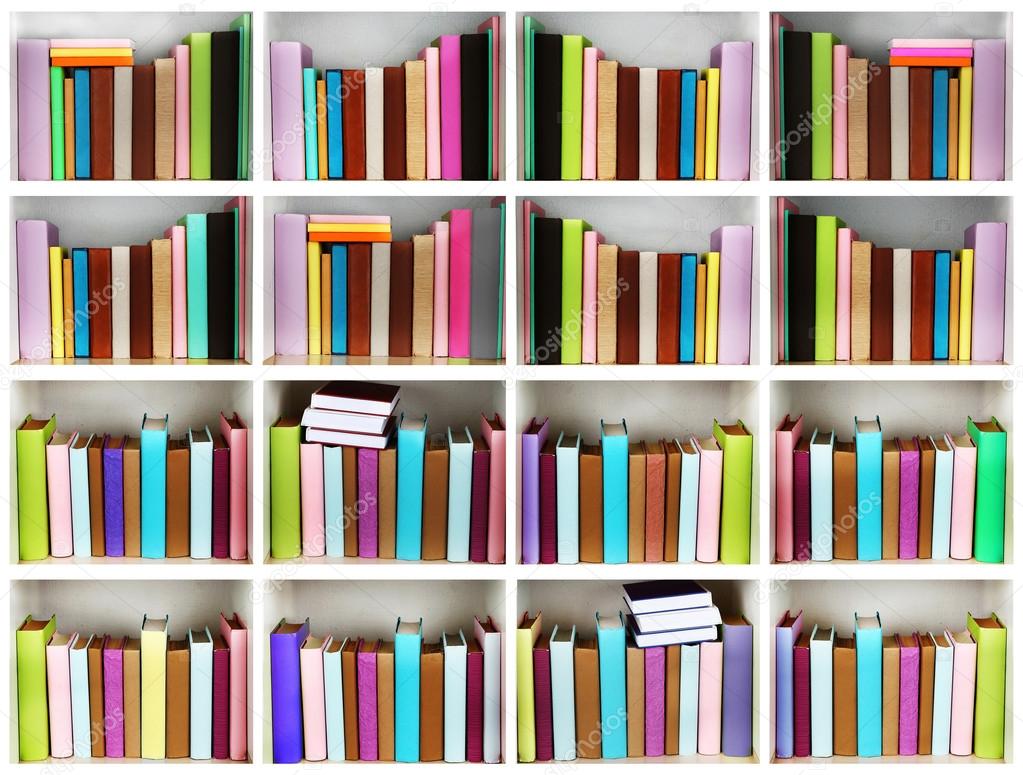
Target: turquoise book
(687, 128)
(333, 702)
(333, 501)
(687, 310)
(611, 659)
(939, 125)
(408, 642)
(942, 283)
(80, 283)
(243, 24)
(154, 486)
(335, 147)
(867, 435)
(200, 502)
(200, 694)
(339, 299)
(411, 453)
(690, 700)
(614, 443)
(312, 163)
(460, 447)
(868, 685)
(195, 280)
(83, 140)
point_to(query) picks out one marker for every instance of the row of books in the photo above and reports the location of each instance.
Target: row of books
(935, 111)
(352, 699)
(150, 496)
(436, 117)
(345, 286)
(919, 693)
(86, 110)
(142, 696)
(179, 296)
(842, 298)
(924, 497)
(671, 500)
(591, 118)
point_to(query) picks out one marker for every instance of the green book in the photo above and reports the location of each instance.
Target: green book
(736, 444)
(285, 493)
(572, 289)
(822, 46)
(33, 514)
(530, 26)
(33, 717)
(200, 64)
(244, 26)
(57, 121)
(827, 291)
(989, 504)
(195, 281)
(572, 106)
(989, 706)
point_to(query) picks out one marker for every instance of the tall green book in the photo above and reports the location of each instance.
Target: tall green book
(736, 444)
(244, 26)
(285, 510)
(827, 291)
(33, 513)
(989, 706)
(572, 106)
(195, 282)
(822, 87)
(57, 121)
(33, 715)
(572, 289)
(530, 26)
(989, 504)
(200, 107)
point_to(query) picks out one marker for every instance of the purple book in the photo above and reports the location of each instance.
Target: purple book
(653, 672)
(113, 495)
(34, 148)
(366, 672)
(113, 697)
(479, 512)
(291, 334)
(549, 503)
(735, 58)
(801, 502)
(988, 162)
(221, 499)
(533, 439)
(34, 241)
(988, 243)
(909, 493)
(287, 58)
(909, 689)
(735, 246)
(737, 692)
(286, 690)
(221, 698)
(544, 707)
(367, 503)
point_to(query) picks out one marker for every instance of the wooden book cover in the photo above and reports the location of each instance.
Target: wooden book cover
(140, 302)
(431, 703)
(926, 518)
(177, 498)
(591, 504)
(860, 307)
(359, 290)
(669, 287)
(920, 128)
(879, 123)
(435, 500)
(635, 698)
(387, 483)
(394, 123)
(655, 491)
(178, 679)
(637, 501)
(628, 123)
(415, 119)
(607, 119)
(101, 324)
(160, 250)
(350, 490)
(143, 122)
(97, 533)
(890, 473)
(881, 301)
(587, 699)
(844, 697)
(132, 697)
(607, 303)
(925, 728)
(132, 478)
(672, 497)
(844, 497)
(701, 312)
(422, 295)
(101, 116)
(921, 329)
(857, 118)
(164, 119)
(385, 700)
(672, 696)
(890, 696)
(97, 727)
(628, 306)
(353, 123)
(350, 696)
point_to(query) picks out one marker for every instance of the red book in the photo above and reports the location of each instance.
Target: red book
(140, 302)
(921, 321)
(359, 279)
(801, 501)
(920, 126)
(628, 306)
(549, 503)
(881, 313)
(628, 125)
(353, 126)
(101, 328)
(801, 696)
(479, 511)
(221, 697)
(474, 702)
(221, 498)
(669, 99)
(101, 114)
(400, 302)
(543, 702)
(394, 123)
(669, 288)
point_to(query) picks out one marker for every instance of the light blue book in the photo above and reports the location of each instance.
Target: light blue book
(939, 127)
(339, 299)
(81, 736)
(333, 502)
(614, 442)
(200, 694)
(567, 459)
(942, 280)
(312, 160)
(81, 526)
(822, 450)
(867, 435)
(195, 280)
(868, 684)
(563, 692)
(942, 715)
(455, 679)
(941, 524)
(408, 642)
(335, 148)
(821, 702)
(200, 502)
(611, 659)
(459, 493)
(333, 694)
(83, 124)
(687, 133)
(80, 282)
(411, 454)
(687, 314)
(690, 700)
(689, 501)
(154, 486)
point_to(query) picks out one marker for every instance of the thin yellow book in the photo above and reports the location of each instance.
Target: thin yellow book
(966, 304)
(57, 300)
(710, 153)
(526, 635)
(711, 326)
(313, 294)
(80, 53)
(344, 228)
(965, 122)
(154, 688)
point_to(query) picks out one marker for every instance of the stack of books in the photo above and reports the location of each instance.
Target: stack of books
(355, 414)
(181, 295)
(591, 118)
(437, 117)
(672, 500)
(354, 699)
(345, 286)
(664, 613)
(919, 693)
(152, 495)
(590, 302)
(841, 298)
(925, 497)
(87, 110)
(143, 696)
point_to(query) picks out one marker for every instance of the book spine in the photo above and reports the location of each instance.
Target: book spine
(708, 528)
(654, 710)
(367, 691)
(200, 70)
(200, 667)
(690, 700)
(287, 59)
(406, 697)
(868, 496)
(709, 718)
(475, 527)
(909, 685)
(611, 656)
(988, 120)
(868, 692)
(286, 697)
(285, 496)
(368, 498)
(411, 452)
(460, 283)
(450, 107)
(821, 701)
(737, 691)
(455, 701)
(58, 696)
(154, 694)
(182, 112)
(735, 60)
(113, 693)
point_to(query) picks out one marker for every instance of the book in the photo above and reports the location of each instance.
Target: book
(455, 686)
(844, 696)
(736, 444)
(669, 272)
(178, 710)
(987, 241)
(669, 97)
(494, 435)
(690, 687)
(708, 527)
(542, 702)
(350, 697)
(490, 639)
(648, 123)
(787, 632)
(869, 488)
(821, 89)
(926, 719)
(689, 500)
(407, 648)
(942, 710)
(591, 58)
(385, 703)
(31, 640)
(627, 124)
(611, 657)
(821, 702)
(822, 534)
(366, 676)
(891, 478)
(368, 498)
(58, 693)
(988, 119)
(572, 105)
(734, 59)
(80, 721)
(989, 509)
(737, 687)
(285, 645)
(411, 454)
(712, 76)
(34, 238)
(660, 596)
(909, 491)
(801, 695)
(97, 725)
(868, 685)
(709, 715)
(333, 704)
(941, 525)
(285, 539)
(58, 492)
(434, 500)
(529, 630)
(200, 694)
(96, 495)
(236, 635)
(32, 438)
(431, 711)
(451, 103)
(615, 449)
(154, 682)
(563, 693)
(654, 703)
(648, 310)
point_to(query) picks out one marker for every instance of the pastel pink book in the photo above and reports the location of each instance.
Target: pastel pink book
(287, 110)
(179, 291)
(33, 95)
(735, 288)
(708, 737)
(778, 22)
(182, 108)
(290, 292)
(786, 436)
(314, 716)
(653, 659)
(432, 57)
(988, 242)
(58, 491)
(450, 107)
(735, 108)
(34, 239)
(236, 635)
(241, 203)
(314, 538)
(366, 670)
(368, 498)
(528, 208)
(840, 116)
(494, 24)
(964, 677)
(113, 697)
(932, 51)
(350, 219)
(964, 482)
(782, 204)
(441, 231)
(92, 43)
(590, 56)
(459, 282)
(236, 434)
(930, 43)
(58, 693)
(494, 435)
(988, 139)
(497, 202)
(590, 241)
(708, 508)
(843, 298)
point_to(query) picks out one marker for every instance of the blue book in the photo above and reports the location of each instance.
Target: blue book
(611, 656)
(333, 693)
(786, 634)
(942, 280)
(459, 493)
(200, 501)
(83, 122)
(195, 281)
(81, 524)
(154, 486)
(411, 454)
(939, 127)
(614, 442)
(687, 135)
(688, 726)
(80, 277)
(687, 316)
(339, 299)
(822, 451)
(335, 153)
(867, 435)
(333, 501)
(689, 501)
(868, 685)
(941, 524)
(408, 641)
(312, 163)
(200, 693)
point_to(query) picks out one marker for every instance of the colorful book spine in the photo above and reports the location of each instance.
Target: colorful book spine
(33, 717)
(709, 720)
(653, 696)
(369, 498)
(286, 698)
(736, 444)
(868, 491)
(988, 121)
(737, 688)
(154, 488)
(821, 694)
(411, 456)
(868, 688)
(611, 655)
(563, 693)
(568, 499)
(615, 456)
(455, 663)
(989, 509)
(450, 107)
(408, 642)
(366, 673)
(460, 279)
(690, 700)
(200, 694)
(735, 61)
(154, 678)
(314, 724)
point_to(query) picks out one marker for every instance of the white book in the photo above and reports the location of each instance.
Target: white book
(347, 439)
(647, 126)
(120, 304)
(650, 597)
(489, 638)
(821, 710)
(941, 526)
(942, 715)
(459, 493)
(122, 126)
(374, 124)
(671, 637)
(900, 123)
(200, 512)
(337, 420)
(455, 652)
(81, 523)
(81, 736)
(563, 692)
(333, 702)
(689, 700)
(902, 302)
(665, 621)
(822, 450)
(567, 458)
(647, 307)
(200, 694)
(380, 299)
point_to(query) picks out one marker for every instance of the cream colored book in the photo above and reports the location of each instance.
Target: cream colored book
(422, 295)
(161, 250)
(857, 119)
(647, 307)
(164, 120)
(120, 305)
(122, 122)
(860, 307)
(607, 121)
(374, 123)
(607, 301)
(415, 119)
(647, 128)
(380, 299)
(154, 687)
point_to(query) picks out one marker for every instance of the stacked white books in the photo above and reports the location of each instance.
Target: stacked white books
(664, 613)
(353, 414)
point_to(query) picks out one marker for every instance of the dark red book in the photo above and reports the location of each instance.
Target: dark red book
(628, 306)
(101, 119)
(628, 124)
(360, 273)
(881, 313)
(549, 503)
(221, 498)
(474, 702)
(101, 326)
(140, 301)
(143, 122)
(399, 332)
(221, 698)
(879, 125)
(669, 288)
(353, 125)
(394, 123)
(479, 511)
(544, 706)
(921, 320)
(920, 127)
(801, 696)
(669, 100)
(801, 501)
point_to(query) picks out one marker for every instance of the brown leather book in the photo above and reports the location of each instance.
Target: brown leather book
(881, 300)
(635, 698)
(97, 534)
(890, 473)
(350, 487)
(699, 333)
(591, 504)
(163, 129)
(607, 119)
(162, 331)
(97, 727)
(655, 484)
(353, 125)
(359, 283)
(672, 496)
(178, 679)
(879, 123)
(607, 301)
(422, 295)
(628, 123)
(860, 301)
(132, 479)
(669, 287)
(844, 698)
(399, 332)
(435, 500)
(672, 696)
(890, 670)
(955, 280)
(394, 123)
(921, 322)
(669, 100)
(431, 703)
(140, 315)
(69, 128)
(68, 287)
(857, 118)
(101, 122)
(415, 119)
(701, 127)
(101, 325)
(143, 123)
(844, 498)
(587, 699)
(637, 501)
(385, 701)
(387, 483)
(925, 727)
(177, 498)
(628, 305)
(926, 523)
(350, 697)
(953, 128)
(132, 659)
(920, 127)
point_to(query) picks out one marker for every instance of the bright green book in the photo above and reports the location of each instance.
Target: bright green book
(572, 106)
(530, 26)
(57, 121)
(285, 511)
(736, 444)
(33, 717)
(244, 26)
(989, 504)
(827, 291)
(200, 64)
(822, 46)
(572, 289)
(195, 281)
(33, 514)
(989, 707)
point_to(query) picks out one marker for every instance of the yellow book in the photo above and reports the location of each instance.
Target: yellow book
(526, 635)
(57, 300)
(81, 53)
(345, 228)
(325, 308)
(321, 128)
(710, 153)
(154, 688)
(313, 293)
(966, 303)
(710, 354)
(965, 122)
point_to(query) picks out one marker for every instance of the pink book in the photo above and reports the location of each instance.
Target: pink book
(459, 280)
(494, 434)
(92, 43)
(474, 702)
(494, 25)
(735, 58)
(653, 660)
(497, 202)
(350, 219)
(786, 437)
(543, 698)
(932, 51)
(113, 697)
(241, 203)
(237, 436)
(314, 539)
(708, 740)
(590, 241)
(840, 116)
(987, 240)
(843, 298)
(930, 42)
(432, 57)
(441, 231)
(964, 480)
(451, 109)
(528, 208)
(366, 670)
(182, 108)
(236, 634)
(314, 716)
(287, 58)
(988, 119)
(782, 204)
(34, 147)
(291, 336)
(964, 675)
(778, 22)
(590, 56)
(735, 244)
(34, 239)
(58, 693)
(179, 291)
(58, 491)
(909, 693)
(708, 508)
(367, 519)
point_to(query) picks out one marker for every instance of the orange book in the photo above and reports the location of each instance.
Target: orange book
(333, 236)
(930, 61)
(654, 502)
(91, 62)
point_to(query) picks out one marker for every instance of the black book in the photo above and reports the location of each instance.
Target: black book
(224, 94)
(545, 277)
(547, 107)
(221, 283)
(802, 285)
(475, 74)
(797, 111)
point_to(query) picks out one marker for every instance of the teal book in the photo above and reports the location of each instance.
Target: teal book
(243, 24)
(339, 299)
(80, 275)
(81, 524)
(200, 694)
(312, 168)
(333, 702)
(690, 700)
(408, 642)
(459, 493)
(154, 486)
(822, 45)
(611, 658)
(83, 124)
(411, 453)
(195, 280)
(572, 289)
(200, 484)
(57, 121)
(868, 685)
(614, 442)
(868, 488)
(333, 501)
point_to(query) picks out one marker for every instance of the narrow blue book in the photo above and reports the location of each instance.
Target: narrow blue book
(81, 523)
(83, 122)
(333, 694)
(459, 493)
(939, 127)
(941, 525)
(339, 299)
(942, 715)
(154, 486)
(411, 453)
(195, 281)
(867, 435)
(567, 485)
(611, 658)
(868, 685)
(335, 152)
(408, 641)
(200, 694)
(312, 164)
(687, 134)
(333, 502)
(822, 451)
(942, 280)
(614, 442)
(689, 501)
(687, 313)
(80, 278)
(200, 501)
